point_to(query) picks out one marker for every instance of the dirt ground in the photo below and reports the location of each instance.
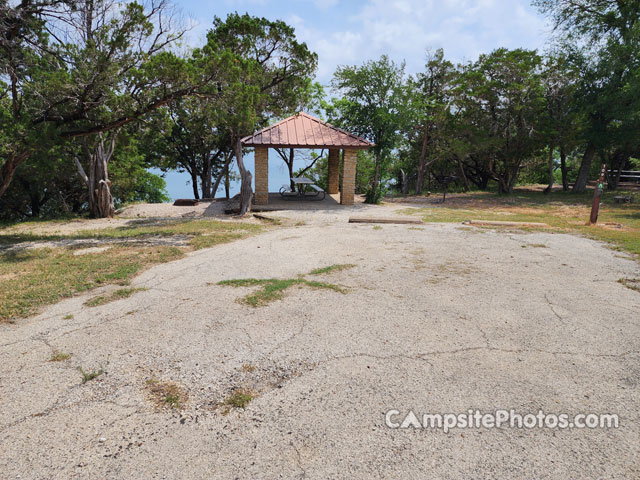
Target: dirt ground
(130, 216)
(438, 318)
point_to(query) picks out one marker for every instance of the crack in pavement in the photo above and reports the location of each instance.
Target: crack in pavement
(560, 317)
(298, 459)
(60, 405)
(421, 356)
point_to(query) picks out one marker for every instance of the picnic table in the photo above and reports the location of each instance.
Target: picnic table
(302, 184)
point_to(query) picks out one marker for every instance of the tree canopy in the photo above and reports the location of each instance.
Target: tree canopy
(93, 93)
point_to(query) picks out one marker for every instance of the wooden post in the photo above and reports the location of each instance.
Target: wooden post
(595, 205)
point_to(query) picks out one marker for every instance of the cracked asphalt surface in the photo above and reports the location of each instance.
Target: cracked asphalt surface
(438, 319)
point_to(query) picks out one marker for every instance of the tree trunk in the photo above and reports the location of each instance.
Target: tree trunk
(98, 183)
(288, 160)
(616, 182)
(504, 183)
(194, 185)
(465, 180)
(376, 177)
(405, 182)
(563, 168)
(421, 162)
(585, 168)
(512, 183)
(227, 183)
(35, 205)
(9, 168)
(310, 166)
(550, 186)
(290, 165)
(246, 191)
(617, 163)
(206, 177)
(103, 201)
(223, 173)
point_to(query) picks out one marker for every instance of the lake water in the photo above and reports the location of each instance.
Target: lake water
(179, 184)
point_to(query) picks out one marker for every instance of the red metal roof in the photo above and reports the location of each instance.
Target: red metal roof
(304, 131)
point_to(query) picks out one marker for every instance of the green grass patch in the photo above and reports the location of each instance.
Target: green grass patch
(117, 295)
(33, 278)
(166, 394)
(88, 376)
(272, 289)
(331, 268)
(58, 356)
(240, 398)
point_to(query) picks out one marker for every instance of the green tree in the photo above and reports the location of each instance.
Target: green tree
(602, 41)
(71, 69)
(269, 73)
(372, 105)
(500, 107)
(186, 136)
(563, 117)
(46, 186)
(430, 102)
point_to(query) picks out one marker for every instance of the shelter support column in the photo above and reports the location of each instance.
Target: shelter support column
(348, 177)
(262, 175)
(334, 170)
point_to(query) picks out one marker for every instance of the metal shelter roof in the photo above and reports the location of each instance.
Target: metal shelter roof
(304, 131)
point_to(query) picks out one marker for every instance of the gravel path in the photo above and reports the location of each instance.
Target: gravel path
(439, 318)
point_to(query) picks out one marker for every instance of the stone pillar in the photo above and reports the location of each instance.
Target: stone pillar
(261, 175)
(334, 170)
(348, 177)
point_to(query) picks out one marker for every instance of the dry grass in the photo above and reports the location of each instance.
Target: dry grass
(212, 231)
(33, 278)
(47, 275)
(632, 283)
(239, 398)
(117, 295)
(166, 395)
(58, 356)
(618, 224)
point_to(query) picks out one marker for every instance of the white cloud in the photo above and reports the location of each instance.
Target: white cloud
(350, 32)
(405, 29)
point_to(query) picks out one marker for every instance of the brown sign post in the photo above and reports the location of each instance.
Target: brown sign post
(595, 206)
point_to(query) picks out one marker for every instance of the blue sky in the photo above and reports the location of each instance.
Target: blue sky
(351, 32)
